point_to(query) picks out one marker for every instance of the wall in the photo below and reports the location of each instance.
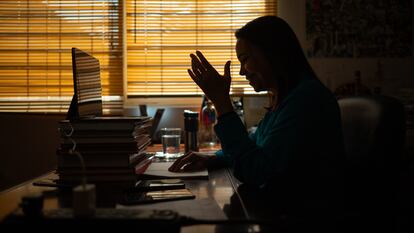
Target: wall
(398, 72)
(28, 143)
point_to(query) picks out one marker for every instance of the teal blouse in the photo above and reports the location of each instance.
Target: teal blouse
(300, 141)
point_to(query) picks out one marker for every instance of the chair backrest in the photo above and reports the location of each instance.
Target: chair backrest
(374, 128)
(374, 135)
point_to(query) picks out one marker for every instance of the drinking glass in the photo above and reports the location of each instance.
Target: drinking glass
(170, 139)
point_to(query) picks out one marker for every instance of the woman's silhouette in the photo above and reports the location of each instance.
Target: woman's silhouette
(297, 148)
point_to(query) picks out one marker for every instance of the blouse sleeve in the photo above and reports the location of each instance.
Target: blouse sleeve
(284, 140)
(225, 159)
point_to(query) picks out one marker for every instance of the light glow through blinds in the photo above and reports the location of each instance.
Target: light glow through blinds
(35, 52)
(36, 37)
(162, 34)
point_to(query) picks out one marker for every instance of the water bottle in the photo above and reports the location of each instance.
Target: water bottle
(191, 130)
(208, 119)
(238, 108)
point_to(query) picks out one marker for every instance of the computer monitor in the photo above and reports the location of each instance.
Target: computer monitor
(87, 97)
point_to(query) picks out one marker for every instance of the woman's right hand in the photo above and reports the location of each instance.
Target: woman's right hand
(191, 162)
(214, 85)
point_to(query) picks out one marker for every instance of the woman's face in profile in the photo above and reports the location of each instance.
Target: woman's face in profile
(255, 66)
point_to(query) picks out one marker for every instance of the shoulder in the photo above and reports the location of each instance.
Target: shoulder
(309, 98)
(311, 88)
(310, 91)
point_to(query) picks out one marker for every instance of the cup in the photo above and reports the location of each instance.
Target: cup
(170, 139)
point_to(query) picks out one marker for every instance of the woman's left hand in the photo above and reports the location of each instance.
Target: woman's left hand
(191, 162)
(215, 86)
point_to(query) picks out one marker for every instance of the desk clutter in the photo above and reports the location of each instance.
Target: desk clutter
(113, 149)
(103, 219)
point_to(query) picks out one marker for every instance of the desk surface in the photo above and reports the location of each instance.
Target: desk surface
(221, 187)
(234, 199)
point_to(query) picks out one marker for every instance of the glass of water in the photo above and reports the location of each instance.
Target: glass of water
(170, 139)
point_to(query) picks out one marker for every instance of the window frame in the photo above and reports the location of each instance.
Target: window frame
(120, 100)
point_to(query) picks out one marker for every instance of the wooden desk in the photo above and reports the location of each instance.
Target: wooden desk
(236, 201)
(221, 187)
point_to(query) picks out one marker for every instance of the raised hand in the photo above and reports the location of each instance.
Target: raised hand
(215, 86)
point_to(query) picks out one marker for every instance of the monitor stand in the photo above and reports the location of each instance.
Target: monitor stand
(73, 112)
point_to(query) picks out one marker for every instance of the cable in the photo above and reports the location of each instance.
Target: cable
(73, 151)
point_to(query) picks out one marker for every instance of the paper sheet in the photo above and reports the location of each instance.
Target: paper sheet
(161, 170)
(206, 209)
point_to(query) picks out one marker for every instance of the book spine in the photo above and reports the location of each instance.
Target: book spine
(141, 167)
(92, 140)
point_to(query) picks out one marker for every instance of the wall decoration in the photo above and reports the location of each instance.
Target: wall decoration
(359, 28)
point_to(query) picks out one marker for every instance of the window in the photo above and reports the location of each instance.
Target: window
(35, 52)
(36, 37)
(162, 34)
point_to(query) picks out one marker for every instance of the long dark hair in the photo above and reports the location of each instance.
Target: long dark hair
(280, 45)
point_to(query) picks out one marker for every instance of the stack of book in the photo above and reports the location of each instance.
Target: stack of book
(113, 149)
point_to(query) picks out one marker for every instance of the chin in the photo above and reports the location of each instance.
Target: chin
(258, 89)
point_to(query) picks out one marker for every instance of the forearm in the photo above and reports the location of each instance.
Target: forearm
(224, 106)
(221, 160)
(252, 164)
(231, 132)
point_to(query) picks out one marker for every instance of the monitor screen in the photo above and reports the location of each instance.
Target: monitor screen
(87, 98)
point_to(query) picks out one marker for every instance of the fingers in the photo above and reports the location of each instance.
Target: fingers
(196, 65)
(227, 70)
(192, 167)
(199, 163)
(177, 165)
(204, 61)
(193, 76)
(202, 71)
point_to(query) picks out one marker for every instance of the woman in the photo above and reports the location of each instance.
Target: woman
(298, 144)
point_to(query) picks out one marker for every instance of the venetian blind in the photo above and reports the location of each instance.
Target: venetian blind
(36, 37)
(162, 34)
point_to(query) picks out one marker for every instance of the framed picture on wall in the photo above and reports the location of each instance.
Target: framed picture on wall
(359, 28)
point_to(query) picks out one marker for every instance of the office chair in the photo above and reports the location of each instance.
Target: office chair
(374, 134)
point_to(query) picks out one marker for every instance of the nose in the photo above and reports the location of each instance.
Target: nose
(242, 70)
